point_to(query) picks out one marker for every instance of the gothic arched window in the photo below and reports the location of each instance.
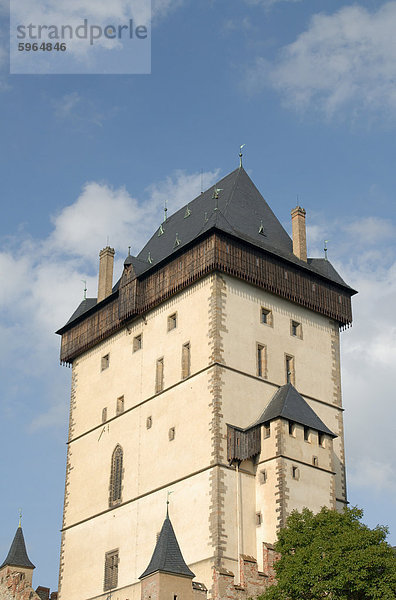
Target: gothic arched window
(116, 476)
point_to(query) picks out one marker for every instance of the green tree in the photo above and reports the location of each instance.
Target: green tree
(334, 556)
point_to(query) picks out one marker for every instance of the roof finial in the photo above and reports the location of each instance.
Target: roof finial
(165, 210)
(325, 248)
(85, 288)
(167, 503)
(215, 196)
(201, 181)
(20, 517)
(240, 154)
(129, 251)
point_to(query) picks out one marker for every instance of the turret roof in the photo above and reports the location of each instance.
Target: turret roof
(17, 555)
(167, 556)
(289, 404)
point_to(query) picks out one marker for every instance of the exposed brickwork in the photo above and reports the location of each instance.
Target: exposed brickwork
(69, 467)
(337, 398)
(282, 491)
(253, 582)
(217, 325)
(14, 586)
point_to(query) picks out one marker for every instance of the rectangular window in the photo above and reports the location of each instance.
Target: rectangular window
(186, 360)
(306, 433)
(105, 361)
(267, 430)
(104, 415)
(321, 439)
(296, 329)
(263, 476)
(290, 371)
(149, 422)
(171, 434)
(295, 472)
(172, 321)
(266, 316)
(315, 461)
(120, 405)
(159, 376)
(259, 519)
(111, 570)
(261, 361)
(137, 343)
(292, 428)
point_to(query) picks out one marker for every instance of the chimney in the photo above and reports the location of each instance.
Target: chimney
(106, 264)
(299, 233)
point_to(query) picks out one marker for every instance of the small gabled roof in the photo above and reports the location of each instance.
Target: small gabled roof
(289, 404)
(17, 555)
(167, 556)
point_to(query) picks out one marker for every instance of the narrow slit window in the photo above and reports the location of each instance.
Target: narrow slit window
(186, 360)
(321, 439)
(171, 434)
(104, 414)
(290, 370)
(306, 434)
(111, 570)
(315, 461)
(105, 362)
(172, 321)
(261, 361)
(259, 519)
(137, 343)
(267, 430)
(149, 422)
(292, 428)
(120, 405)
(159, 376)
(263, 476)
(295, 472)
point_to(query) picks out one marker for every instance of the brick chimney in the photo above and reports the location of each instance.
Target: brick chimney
(299, 233)
(106, 264)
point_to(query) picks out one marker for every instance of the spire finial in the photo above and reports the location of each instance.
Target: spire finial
(20, 517)
(167, 503)
(240, 154)
(165, 210)
(85, 288)
(325, 248)
(129, 251)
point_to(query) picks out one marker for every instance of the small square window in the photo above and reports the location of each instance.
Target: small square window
(267, 430)
(296, 329)
(149, 422)
(104, 415)
(172, 321)
(137, 342)
(120, 405)
(266, 316)
(263, 476)
(171, 434)
(295, 472)
(105, 361)
(315, 461)
(259, 519)
(306, 433)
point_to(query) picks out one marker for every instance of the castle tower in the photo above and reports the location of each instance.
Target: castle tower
(211, 369)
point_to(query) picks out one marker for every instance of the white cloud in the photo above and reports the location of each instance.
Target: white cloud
(44, 281)
(363, 251)
(346, 60)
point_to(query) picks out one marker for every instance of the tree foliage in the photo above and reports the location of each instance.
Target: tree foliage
(333, 556)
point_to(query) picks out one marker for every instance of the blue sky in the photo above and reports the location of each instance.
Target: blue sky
(309, 87)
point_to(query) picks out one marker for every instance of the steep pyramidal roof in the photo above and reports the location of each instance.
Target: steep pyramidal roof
(17, 556)
(167, 556)
(289, 404)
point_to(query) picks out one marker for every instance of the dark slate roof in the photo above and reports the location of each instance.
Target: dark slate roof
(17, 556)
(167, 556)
(289, 404)
(240, 211)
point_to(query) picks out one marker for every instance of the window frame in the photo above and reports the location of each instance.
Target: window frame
(116, 476)
(105, 362)
(261, 361)
(290, 374)
(267, 314)
(186, 360)
(159, 375)
(137, 343)
(172, 322)
(112, 560)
